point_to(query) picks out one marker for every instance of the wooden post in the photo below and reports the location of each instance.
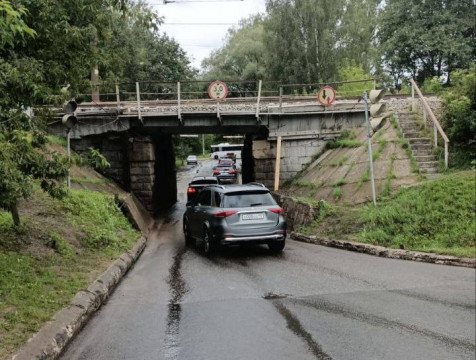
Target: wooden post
(435, 132)
(424, 116)
(278, 163)
(446, 154)
(139, 114)
(259, 98)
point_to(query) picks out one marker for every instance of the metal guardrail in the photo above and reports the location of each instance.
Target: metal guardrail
(182, 94)
(428, 112)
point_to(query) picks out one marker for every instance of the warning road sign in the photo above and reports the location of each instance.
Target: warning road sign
(326, 95)
(218, 90)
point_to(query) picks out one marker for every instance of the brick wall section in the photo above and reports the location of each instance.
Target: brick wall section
(114, 147)
(295, 155)
(142, 170)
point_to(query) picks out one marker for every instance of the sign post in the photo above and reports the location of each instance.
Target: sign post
(369, 142)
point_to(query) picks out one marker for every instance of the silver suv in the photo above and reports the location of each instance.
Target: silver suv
(234, 215)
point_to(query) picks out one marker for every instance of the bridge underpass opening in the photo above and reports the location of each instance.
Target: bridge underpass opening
(167, 162)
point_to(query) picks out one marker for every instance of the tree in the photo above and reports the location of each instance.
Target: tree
(46, 44)
(242, 56)
(427, 38)
(22, 153)
(301, 37)
(356, 32)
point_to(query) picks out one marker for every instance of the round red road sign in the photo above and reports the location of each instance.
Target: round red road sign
(218, 90)
(326, 95)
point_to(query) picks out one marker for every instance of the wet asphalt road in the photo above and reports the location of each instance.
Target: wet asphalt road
(310, 302)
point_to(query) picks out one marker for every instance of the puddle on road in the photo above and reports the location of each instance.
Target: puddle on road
(177, 288)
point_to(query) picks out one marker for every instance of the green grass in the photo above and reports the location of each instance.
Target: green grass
(305, 184)
(341, 161)
(90, 180)
(56, 140)
(343, 143)
(381, 147)
(339, 182)
(337, 192)
(59, 249)
(364, 178)
(387, 187)
(436, 216)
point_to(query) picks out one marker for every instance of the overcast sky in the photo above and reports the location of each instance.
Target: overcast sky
(200, 40)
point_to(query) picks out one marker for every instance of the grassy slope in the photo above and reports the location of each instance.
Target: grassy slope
(436, 216)
(60, 248)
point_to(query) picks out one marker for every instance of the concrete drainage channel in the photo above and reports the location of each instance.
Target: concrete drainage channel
(54, 336)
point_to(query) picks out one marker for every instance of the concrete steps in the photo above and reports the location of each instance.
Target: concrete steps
(421, 146)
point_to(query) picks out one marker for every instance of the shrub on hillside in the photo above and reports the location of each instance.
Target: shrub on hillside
(459, 108)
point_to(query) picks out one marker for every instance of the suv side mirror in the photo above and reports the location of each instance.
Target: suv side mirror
(190, 204)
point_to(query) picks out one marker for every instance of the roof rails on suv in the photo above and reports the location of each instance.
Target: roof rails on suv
(256, 184)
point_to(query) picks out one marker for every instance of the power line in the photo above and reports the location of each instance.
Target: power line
(199, 24)
(173, 2)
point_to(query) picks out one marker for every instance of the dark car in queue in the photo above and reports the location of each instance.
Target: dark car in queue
(197, 184)
(226, 161)
(225, 215)
(225, 173)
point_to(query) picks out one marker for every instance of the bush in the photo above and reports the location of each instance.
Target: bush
(432, 86)
(459, 108)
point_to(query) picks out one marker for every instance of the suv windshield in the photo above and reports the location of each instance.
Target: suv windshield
(248, 199)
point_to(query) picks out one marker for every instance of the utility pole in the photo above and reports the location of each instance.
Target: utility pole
(369, 142)
(203, 144)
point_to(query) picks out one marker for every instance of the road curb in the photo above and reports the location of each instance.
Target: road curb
(54, 336)
(385, 252)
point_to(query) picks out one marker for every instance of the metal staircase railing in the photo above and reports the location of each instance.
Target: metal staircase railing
(427, 112)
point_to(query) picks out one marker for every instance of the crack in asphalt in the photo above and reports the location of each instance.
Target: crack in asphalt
(376, 320)
(296, 327)
(292, 322)
(415, 295)
(177, 288)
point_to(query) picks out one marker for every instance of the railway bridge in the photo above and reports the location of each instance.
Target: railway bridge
(135, 135)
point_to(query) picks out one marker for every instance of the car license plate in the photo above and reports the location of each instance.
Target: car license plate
(252, 216)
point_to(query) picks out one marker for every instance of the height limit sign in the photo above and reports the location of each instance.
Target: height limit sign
(326, 95)
(218, 90)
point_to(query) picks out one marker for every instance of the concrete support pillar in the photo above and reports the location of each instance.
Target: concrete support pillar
(247, 160)
(142, 170)
(165, 194)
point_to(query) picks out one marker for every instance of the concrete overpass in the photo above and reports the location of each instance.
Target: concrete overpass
(135, 136)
